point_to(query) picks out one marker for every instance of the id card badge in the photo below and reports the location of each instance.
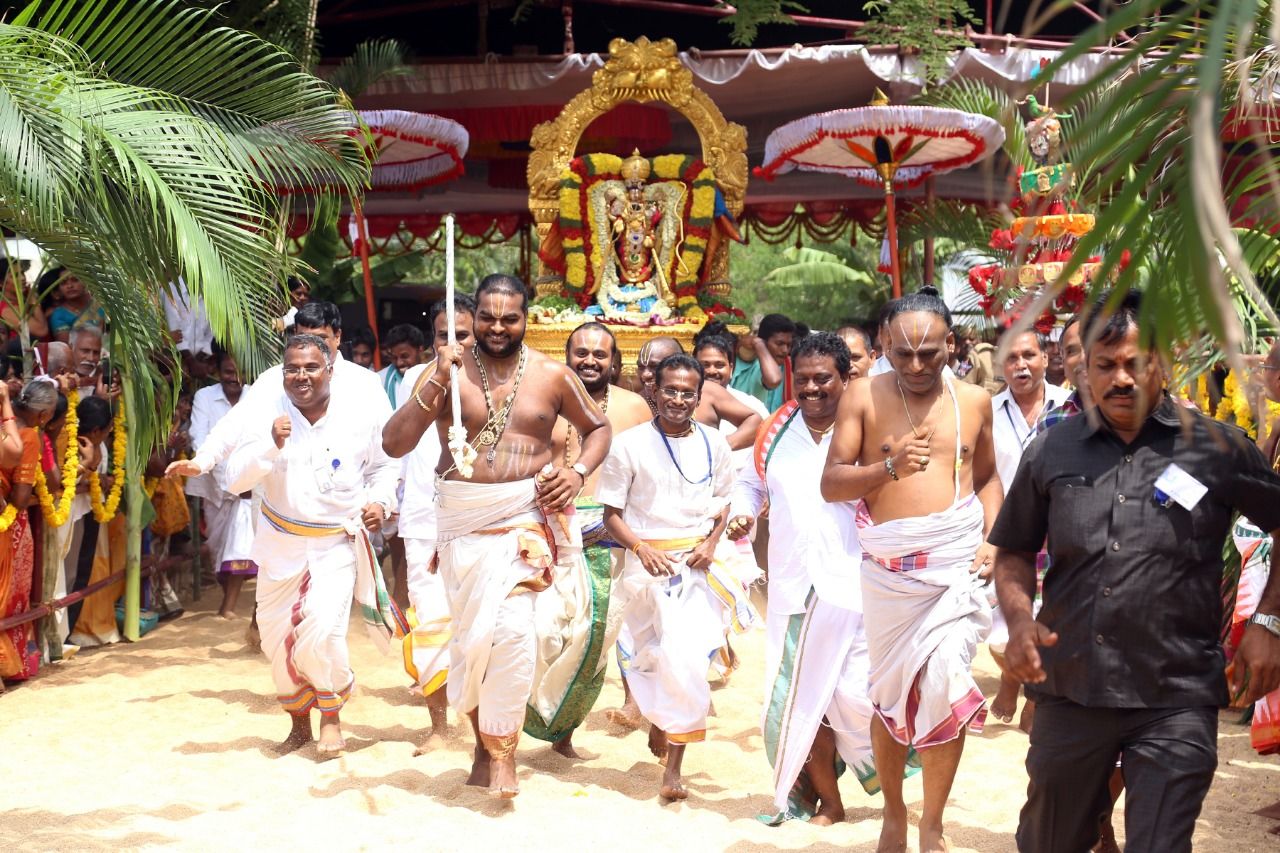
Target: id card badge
(1178, 486)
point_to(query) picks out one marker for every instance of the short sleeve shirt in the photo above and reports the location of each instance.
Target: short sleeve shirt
(1133, 591)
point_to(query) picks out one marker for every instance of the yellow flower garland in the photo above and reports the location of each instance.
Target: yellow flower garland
(7, 517)
(105, 511)
(57, 516)
(1235, 408)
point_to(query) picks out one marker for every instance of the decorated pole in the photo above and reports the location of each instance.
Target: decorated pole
(134, 496)
(463, 453)
(371, 311)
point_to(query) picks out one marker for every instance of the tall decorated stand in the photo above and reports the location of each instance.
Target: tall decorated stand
(640, 243)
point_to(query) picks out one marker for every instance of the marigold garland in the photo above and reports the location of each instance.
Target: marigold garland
(58, 516)
(1234, 407)
(105, 511)
(7, 517)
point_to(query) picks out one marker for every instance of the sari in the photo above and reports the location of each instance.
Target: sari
(19, 651)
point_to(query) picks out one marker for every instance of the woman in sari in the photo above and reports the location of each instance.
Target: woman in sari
(19, 652)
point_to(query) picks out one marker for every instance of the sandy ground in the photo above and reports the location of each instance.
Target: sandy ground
(169, 742)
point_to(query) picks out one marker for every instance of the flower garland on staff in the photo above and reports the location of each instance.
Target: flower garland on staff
(57, 516)
(104, 512)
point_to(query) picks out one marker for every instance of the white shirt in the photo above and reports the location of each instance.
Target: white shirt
(418, 471)
(742, 456)
(209, 406)
(1010, 430)
(657, 501)
(812, 543)
(351, 385)
(187, 315)
(325, 474)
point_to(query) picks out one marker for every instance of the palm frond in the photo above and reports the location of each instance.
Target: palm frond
(974, 96)
(373, 62)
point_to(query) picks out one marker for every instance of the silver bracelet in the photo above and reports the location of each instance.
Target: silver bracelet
(888, 465)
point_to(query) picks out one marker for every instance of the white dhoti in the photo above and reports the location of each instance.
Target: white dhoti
(494, 552)
(925, 614)
(426, 646)
(237, 544)
(303, 621)
(673, 627)
(820, 669)
(219, 518)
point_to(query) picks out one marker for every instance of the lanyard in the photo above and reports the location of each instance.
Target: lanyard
(698, 428)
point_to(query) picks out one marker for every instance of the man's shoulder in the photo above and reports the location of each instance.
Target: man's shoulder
(973, 395)
(207, 394)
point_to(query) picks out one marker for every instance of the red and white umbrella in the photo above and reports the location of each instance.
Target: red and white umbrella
(882, 145)
(414, 150)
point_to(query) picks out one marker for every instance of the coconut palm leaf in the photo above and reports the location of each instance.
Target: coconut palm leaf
(139, 145)
(373, 62)
(974, 96)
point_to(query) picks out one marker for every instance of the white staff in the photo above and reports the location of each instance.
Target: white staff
(463, 453)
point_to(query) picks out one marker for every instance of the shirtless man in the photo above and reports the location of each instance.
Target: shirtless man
(589, 353)
(925, 560)
(715, 405)
(494, 530)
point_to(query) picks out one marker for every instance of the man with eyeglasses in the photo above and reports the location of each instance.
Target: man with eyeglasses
(715, 403)
(665, 487)
(326, 482)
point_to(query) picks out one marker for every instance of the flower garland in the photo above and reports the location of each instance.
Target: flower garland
(1235, 408)
(7, 517)
(57, 516)
(105, 511)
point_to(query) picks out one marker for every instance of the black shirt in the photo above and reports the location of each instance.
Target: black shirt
(1134, 586)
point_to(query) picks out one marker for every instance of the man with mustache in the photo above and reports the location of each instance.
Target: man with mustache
(1016, 411)
(1124, 657)
(501, 530)
(715, 403)
(665, 487)
(326, 482)
(816, 710)
(922, 528)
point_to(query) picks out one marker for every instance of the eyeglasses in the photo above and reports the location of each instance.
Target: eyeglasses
(1265, 366)
(309, 372)
(677, 394)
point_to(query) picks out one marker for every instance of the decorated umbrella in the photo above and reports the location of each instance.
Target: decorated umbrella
(882, 145)
(412, 151)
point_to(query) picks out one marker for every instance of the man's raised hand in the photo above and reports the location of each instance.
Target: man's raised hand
(281, 428)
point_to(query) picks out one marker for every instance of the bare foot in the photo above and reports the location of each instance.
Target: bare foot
(504, 783)
(564, 746)
(658, 743)
(299, 736)
(1028, 717)
(933, 841)
(1005, 705)
(893, 833)
(431, 743)
(227, 614)
(480, 766)
(628, 716)
(252, 638)
(331, 740)
(827, 815)
(711, 709)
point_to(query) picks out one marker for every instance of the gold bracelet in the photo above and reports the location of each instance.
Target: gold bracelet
(421, 404)
(433, 381)
(635, 549)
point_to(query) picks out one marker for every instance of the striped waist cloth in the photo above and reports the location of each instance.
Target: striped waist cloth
(294, 527)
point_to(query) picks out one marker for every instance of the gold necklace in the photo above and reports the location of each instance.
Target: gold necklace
(819, 433)
(568, 438)
(496, 425)
(907, 408)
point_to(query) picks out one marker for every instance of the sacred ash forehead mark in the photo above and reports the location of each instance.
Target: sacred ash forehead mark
(596, 340)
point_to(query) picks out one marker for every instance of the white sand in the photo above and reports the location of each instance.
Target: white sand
(169, 742)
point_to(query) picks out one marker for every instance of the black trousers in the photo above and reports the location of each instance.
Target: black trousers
(1168, 757)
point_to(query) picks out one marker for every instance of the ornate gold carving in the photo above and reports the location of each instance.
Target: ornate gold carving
(640, 71)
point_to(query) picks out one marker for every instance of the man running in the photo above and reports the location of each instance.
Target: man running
(500, 531)
(715, 403)
(922, 528)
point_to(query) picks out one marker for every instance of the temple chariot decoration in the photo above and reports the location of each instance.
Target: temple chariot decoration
(640, 243)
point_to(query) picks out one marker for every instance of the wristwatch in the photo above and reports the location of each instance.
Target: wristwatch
(1271, 623)
(581, 469)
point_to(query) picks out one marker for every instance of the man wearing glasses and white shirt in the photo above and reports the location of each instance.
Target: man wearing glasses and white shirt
(1016, 411)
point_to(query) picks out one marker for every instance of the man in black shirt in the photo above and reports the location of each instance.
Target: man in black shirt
(1124, 657)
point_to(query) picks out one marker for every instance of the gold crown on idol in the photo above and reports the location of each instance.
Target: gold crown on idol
(635, 168)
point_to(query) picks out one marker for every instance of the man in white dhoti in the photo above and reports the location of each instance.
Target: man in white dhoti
(326, 482)
(499, 534)
(665, 487)
(922, 529)
(816, 711)
(426, 646)
(228, 517)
